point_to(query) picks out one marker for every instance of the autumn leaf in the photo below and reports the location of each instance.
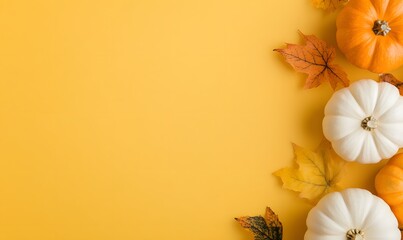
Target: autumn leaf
(318, 172)
(268, 227)
(329, 4)
(315, 58)
(389, 78)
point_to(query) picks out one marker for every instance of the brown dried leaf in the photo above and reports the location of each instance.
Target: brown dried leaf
(389, 78)
(263, 228)
(315, 58)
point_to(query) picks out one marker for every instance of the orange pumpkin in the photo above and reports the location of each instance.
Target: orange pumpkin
(389, 185)
(370, 34)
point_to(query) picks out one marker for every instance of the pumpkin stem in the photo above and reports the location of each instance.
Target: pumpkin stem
(369, 123)
(381, 27)
(355, 234)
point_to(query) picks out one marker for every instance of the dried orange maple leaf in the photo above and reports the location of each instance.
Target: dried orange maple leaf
(315, 58)
(389, 78)
(268, 227)
(318, 172)
(329, 4)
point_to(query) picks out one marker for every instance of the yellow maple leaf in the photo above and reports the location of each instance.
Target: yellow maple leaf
(318, 172)
(329, 4)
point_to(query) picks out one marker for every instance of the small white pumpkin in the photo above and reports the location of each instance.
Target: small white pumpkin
(353, 214)
(364, 122)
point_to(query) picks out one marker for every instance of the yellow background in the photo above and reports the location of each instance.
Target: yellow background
(154, 119)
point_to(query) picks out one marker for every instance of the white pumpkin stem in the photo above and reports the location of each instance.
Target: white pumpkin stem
(369, 123)
(355, 234)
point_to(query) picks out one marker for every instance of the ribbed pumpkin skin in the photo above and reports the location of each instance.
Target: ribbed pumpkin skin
(389, 185)
(338, 212)
(361, 46)
(345, 111)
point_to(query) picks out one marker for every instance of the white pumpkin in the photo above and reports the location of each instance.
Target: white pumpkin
(364, 122)
(353, 214)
